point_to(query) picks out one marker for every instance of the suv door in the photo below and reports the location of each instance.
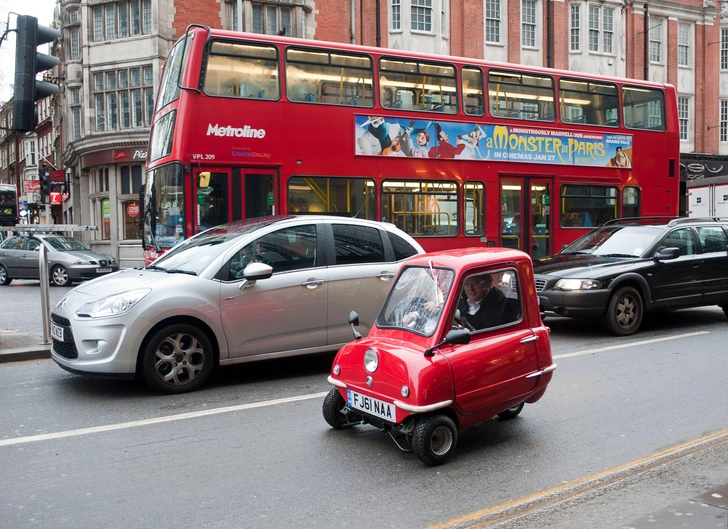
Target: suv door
(714, 249)
(360, 275)
(286, 312)
(677, 282)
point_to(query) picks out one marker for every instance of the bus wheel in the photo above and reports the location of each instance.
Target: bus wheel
(4, 279)
(60, 277)
(624, 312)
(434, 439)
(178, 358)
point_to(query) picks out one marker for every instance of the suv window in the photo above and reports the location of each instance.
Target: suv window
(683, 239)
(402, 249)
(712, 239)
(357, 244)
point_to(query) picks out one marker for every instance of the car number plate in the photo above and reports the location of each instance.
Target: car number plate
(103, 270)
(57, 332)
(372, 406)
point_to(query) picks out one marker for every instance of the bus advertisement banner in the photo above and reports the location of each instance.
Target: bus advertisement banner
(377, 135)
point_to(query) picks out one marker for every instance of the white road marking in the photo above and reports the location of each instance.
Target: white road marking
(158, 420)
(630, 344)
(275, 402)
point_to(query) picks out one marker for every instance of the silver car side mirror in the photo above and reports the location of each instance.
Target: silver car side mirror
(255, 271)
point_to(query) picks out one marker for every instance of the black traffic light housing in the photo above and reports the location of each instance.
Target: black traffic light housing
(28, 62)
(44, 175)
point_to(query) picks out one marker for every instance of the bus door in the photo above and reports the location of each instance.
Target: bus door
(526, 214)
(223, 195)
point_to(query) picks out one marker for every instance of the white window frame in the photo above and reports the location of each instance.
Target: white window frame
(493, 21)
(683, 115)
(395, 10)
(529, 23)
(724, 48)
(656, 29)
(683, 44)
(575, 27)
(421, 16)
(723, 120)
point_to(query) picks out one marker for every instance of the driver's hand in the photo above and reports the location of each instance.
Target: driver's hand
(410, 318)
(431, 306)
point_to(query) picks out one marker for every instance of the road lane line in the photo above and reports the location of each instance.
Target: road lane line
(241, 407)
(630, 344)
(158, 420)
(499, 514)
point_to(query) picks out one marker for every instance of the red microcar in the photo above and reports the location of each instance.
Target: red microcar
(458, 341)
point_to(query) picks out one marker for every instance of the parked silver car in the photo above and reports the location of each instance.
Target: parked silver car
(250, 290)
(69, 260)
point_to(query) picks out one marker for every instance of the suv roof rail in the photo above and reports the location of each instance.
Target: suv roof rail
(641, 220)
(682, 220)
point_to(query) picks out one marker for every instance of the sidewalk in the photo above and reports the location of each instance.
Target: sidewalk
(16, 346)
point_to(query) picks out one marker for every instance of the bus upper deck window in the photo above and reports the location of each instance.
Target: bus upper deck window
(242, 70)
(516, 95)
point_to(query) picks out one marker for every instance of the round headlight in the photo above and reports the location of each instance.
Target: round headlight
(337, 370)
(405, 391)
(371, 360)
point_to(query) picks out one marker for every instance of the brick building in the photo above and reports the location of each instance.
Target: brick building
(113, 53)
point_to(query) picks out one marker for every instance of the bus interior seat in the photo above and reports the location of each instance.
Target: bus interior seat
(612, 123)
(514, 114)
(476, 111)
(438, 108)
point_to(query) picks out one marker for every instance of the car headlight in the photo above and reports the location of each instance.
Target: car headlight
(577, 284)
(81, 262)
(371, 360)
(113, 305)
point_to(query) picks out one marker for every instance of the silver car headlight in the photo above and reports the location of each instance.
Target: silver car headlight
(577, 284)
(81, 262)
(371, 360)
(113, 305)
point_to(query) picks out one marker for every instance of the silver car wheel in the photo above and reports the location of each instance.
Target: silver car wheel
(60, 276)
(179, 359)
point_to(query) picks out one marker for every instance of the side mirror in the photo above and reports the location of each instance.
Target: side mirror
(255, 271)
(667, 253)
(455, 337)
(354, 322)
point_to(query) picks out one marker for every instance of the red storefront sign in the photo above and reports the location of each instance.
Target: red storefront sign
(55, 199)
(133, 209)
(31, 186)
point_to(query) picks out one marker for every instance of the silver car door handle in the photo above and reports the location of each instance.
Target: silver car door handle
(529, 339)
(312, 283)
(385, 276)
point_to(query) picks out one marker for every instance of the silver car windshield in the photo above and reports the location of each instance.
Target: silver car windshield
(617, 241)
(66, 244)
(417, 299)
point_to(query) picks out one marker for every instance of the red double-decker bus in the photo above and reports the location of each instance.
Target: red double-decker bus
(456, 152)
(8, 205)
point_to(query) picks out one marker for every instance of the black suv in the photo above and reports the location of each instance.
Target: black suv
(629, 266)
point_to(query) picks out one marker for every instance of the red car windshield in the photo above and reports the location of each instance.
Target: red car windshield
(417, 300)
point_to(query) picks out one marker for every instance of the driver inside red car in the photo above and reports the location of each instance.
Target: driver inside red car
(481, 304)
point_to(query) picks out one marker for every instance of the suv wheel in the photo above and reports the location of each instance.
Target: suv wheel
(624, 312)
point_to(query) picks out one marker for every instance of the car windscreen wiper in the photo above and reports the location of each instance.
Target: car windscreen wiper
(178, 271)
(616, 255)
(155, 267)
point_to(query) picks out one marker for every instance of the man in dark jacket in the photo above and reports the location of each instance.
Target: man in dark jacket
(481, 305)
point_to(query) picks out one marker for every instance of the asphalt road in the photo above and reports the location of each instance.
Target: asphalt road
(251, 449)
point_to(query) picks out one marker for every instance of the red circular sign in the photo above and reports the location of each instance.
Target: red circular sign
(133, 209)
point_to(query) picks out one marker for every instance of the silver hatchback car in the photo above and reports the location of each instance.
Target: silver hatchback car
(69, 260)
(250, 290)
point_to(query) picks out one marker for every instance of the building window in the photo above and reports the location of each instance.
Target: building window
(656, 41)
(396, 15)
(683, 115)
(421, 15)
(528, 23)
(75, 48)
(121, 19)
(724, 120)
(73, 17)
(124, 98)
(724, 49)
(683, 44)
(131, 220)
(273, 20)
(234, 16)
(607, 29)
(131, 179)
(492, 21)
(105, 219)
(575, 31)
(601, 29)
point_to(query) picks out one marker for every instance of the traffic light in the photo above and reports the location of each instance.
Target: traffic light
(44, 175)
(28, 62)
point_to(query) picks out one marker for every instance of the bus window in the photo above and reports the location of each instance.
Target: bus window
(412, 85)
(588, 206)
(631, 202)
(474, 208)
(588, 102)
(643, 108)
(169, 86)
(242, 70)
(332, 78)
(421, 208)
(350, 197)
(520, 96)
(473, 104)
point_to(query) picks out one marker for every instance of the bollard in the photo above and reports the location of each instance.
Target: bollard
(45, 296)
